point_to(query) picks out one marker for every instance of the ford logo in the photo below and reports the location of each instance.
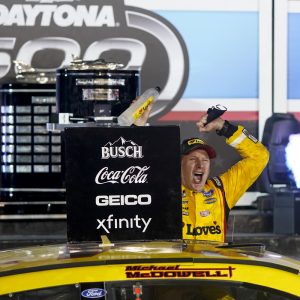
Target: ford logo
(93, 293)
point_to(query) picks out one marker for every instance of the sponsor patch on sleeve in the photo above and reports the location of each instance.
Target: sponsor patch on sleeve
(250, 136)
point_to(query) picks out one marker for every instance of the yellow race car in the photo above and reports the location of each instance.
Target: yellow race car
(148, 270)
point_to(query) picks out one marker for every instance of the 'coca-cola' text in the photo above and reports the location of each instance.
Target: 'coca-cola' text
(133, 174)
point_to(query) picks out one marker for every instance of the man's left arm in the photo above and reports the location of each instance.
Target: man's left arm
(243, 174)
(255, 157)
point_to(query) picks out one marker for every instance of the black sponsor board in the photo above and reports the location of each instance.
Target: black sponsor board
(123, 183)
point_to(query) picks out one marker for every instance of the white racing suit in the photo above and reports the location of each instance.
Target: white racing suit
(205, 213)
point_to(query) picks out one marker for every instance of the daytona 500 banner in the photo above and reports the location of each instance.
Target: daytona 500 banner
(200, 53)
(47, 34)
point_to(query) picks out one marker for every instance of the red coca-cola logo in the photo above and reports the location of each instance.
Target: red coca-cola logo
(133, 174)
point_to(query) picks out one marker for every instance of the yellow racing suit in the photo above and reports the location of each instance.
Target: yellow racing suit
(205, 213)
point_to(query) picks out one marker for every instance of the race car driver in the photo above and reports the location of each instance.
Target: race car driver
(206, 202)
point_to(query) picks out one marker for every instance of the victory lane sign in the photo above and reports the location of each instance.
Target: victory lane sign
(123, 183)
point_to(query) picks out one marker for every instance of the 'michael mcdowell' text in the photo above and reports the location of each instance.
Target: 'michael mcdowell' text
(152, 271)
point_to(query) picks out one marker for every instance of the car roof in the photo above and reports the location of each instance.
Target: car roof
(15, 261)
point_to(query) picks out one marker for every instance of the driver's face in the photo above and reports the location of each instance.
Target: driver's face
(195, 167)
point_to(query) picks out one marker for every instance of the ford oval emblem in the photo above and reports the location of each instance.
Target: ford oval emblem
(93, 293)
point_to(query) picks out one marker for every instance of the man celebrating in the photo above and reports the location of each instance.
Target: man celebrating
(206, 202)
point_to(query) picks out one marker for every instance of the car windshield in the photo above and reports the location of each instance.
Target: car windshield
(154, 289)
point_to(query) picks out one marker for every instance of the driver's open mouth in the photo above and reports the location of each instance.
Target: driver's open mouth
(198, 177)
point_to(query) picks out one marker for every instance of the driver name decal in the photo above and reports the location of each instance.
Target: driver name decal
(177, 271)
